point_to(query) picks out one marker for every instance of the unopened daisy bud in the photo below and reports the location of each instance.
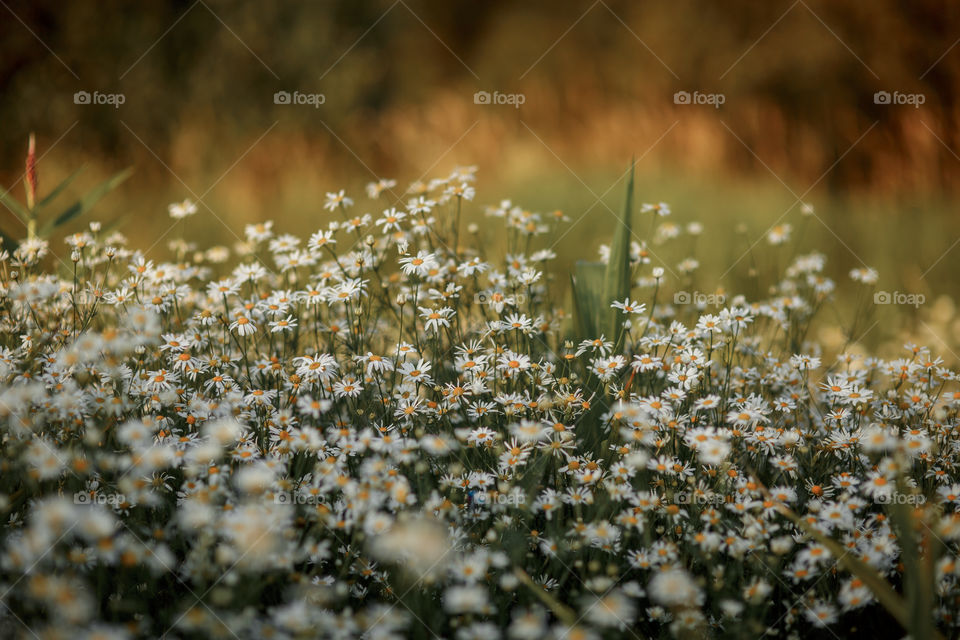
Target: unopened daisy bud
(369, 240)
(473, 227)
(95, 226)
(401, 299)
(75, 256)
(658, 272)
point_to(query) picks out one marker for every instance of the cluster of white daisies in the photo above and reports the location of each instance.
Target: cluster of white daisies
(382, 433)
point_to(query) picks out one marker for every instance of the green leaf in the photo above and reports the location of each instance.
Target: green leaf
(892, 601)
(919, 576)
(587, 288)
(564, 613)
(86, 202)
(18, 209)
(57, 190)
(616, 279)
(595, 286)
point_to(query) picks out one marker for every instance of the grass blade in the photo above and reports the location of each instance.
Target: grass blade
(57, 190)
(587, 287)
(18, 209)
(86, 202)
(616, 279)
(892, 601)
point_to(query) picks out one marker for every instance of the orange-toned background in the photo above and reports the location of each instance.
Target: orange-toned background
(799, 120)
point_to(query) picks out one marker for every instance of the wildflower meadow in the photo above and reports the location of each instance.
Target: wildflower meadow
(385, 428)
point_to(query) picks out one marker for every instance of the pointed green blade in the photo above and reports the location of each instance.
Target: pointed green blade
(587, 298)
(616, 280)
(57, 190)
(15, 207)
(87, 201)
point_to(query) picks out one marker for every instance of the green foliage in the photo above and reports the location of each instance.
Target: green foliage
(587, 283)
(85, 203)
(595, 287)
(616, 278)
(919, 575)
(31, 213)
(11, 203)
(914, 613)
(8, 240)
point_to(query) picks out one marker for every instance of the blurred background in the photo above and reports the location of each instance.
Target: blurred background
(738, 113)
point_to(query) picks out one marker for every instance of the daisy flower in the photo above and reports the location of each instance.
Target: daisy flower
(243, 326)
(335, 200)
